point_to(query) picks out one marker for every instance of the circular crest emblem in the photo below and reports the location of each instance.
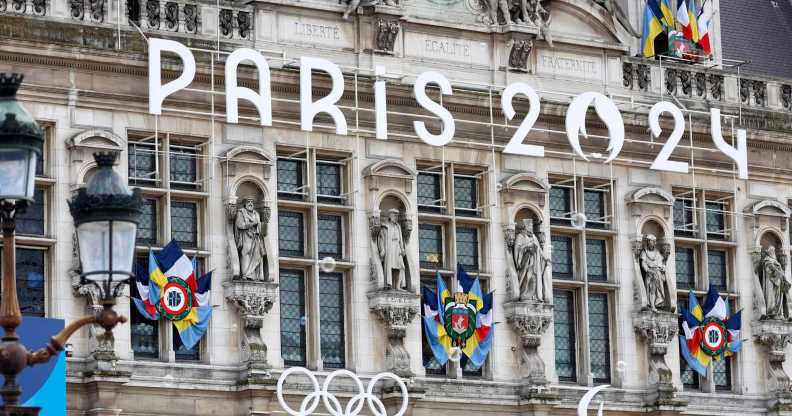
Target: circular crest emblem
(175, 300)
(714, 336)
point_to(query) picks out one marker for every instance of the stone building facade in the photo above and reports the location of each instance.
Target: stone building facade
(323, 195)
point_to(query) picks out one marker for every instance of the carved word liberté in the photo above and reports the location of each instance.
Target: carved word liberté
(309, 107)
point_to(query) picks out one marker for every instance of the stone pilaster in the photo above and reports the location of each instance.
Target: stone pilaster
(396, 309)
(530, 320)
(253, 300)
(659, 329)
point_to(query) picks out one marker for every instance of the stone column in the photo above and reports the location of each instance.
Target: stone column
(530, 320)
(253, 300)
(659, 329)
(775, 335)
(396, 309)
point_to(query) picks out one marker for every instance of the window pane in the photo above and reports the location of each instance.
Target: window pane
(292, 317)
(290, 179)
(562, 257)
(685, 268)
(184, 223)
(147, 227)
(560, 205)
(430, 245)
(716, 261)
(594, 207)
(683, 216)
(328, 182)
(467, 248)
(597, 260)
(599, 337)
(429, 192)
(331, 327)
(432, 366)
(465, 195)
(290, 234)
(142, 163)
(31, 220)
(690, 378)
(40, 157)
(721, 374)
(183, 167)
(330, 237)
(716, 219)
(145, 332)
(183, 354)
(564, 324)
(30, 281)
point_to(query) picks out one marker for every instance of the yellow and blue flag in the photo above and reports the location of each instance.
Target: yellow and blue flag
(652, 27)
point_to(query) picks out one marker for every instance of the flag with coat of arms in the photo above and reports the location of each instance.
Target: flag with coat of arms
(171, 290)
(462, 320)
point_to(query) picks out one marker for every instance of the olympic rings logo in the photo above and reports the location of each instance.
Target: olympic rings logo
(331, 402)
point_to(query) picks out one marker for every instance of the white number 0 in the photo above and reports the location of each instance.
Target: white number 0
(516, 145)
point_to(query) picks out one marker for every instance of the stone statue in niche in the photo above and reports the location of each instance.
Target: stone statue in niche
(249, 234)
(653, 268)
(391, 250)
(775, 285)
(527, 262)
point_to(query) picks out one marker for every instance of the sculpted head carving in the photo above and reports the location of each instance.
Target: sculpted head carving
(393, 215)
(650, 242)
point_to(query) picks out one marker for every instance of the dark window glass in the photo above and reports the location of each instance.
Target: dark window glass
(328, 182)
(31, 220)
(564, 324)
(40, 157)
(599, 337)
(685, 268)
(290, 179)
(183, 354)
(466, 196)
(429, 192)
(560, 205)
(142, 164)
(145, 332)
(690, 378)
(683, 217)
(330, 237)
(183, 167)
(184, 223)
(594, 206)
(147, 226)
(716, 261)
(430, 245)
(721, 374)
(597, 260)
(468, 370)
(331, 327)
(562, 257)
(432, 366)
(467, 247)
(30, 281)
(292, 317)
(290, 234)
(716, 219)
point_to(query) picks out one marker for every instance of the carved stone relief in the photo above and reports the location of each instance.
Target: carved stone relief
(385, 35)
(658, 329)
(519, 53)
(153, 14)
(786, 97)
(172, 16)
(530, 320)
(77, 8)
(97, 10)
(527, 262)
(396, 309)
(190, 18)
(253, 301)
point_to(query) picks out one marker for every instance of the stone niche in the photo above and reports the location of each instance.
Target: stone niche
(772, 294)
(252, 289)
(393, 272)
(529, 306)
(654, 288)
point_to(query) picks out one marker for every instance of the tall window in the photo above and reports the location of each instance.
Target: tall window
(564, 324)
(582, 279)
(292, 317)
(331, 310)
(313, 222)
(168, 170)
(685, 268)
(685, 214)
(453, 219)
(31, 220)
(716, 219)
(291, 234)
(716, 260)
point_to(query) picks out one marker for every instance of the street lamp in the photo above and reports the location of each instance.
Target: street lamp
(105, 213)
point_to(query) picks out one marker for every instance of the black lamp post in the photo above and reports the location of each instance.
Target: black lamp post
(105, 213)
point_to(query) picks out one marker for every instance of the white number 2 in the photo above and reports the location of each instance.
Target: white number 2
(516, 145)
(662, 162)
